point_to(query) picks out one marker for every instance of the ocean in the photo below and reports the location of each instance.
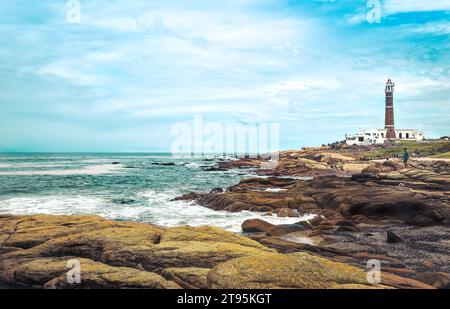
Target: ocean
(119, 186)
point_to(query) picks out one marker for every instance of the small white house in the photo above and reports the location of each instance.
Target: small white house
(378, 136)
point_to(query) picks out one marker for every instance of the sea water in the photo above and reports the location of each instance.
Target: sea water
(137, 187)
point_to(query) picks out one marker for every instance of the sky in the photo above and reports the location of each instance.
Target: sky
(128, 71)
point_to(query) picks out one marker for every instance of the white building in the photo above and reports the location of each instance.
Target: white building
(378, 136)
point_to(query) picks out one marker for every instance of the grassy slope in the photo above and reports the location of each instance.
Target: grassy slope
(436, 149)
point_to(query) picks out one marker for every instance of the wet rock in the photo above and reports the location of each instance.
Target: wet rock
(235, 207)
(214, 169)
(255, 225)
(422, 200)
(347, 223)
(192, 196)
(317, 220)
(124, 201)
(285, 212)
(217, 190)
(266, 209)
(351, 229)
(164, 163)
(283, 229)
(392, 238)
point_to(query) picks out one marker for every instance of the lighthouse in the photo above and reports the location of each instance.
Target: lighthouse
(379, 136)
(389, 116)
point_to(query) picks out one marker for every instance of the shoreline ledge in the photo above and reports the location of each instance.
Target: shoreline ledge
(35, 250)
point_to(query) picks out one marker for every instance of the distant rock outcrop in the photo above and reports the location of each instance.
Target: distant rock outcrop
(412, 196)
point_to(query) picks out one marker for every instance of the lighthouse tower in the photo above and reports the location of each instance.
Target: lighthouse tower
(389, 119)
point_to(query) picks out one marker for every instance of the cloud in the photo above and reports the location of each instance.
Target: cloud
(135, 68)
(67, 71)
(438, 28)
(405, 6)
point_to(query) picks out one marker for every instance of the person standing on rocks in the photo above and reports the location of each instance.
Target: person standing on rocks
(405, 157)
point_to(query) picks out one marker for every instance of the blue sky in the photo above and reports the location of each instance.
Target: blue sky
(120, 79)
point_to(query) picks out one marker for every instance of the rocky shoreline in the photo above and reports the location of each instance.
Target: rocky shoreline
(363, 210)
(35, 251)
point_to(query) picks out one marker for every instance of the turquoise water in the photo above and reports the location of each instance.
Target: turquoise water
(117, 186)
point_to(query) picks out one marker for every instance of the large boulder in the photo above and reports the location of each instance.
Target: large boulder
(53, 272)
(296, 270)
(34, 251)
(255, 226)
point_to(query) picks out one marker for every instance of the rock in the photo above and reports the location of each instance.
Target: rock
(255, 225)
(401, 282)
(423, 199)
(52, 273)
(285, 246)
(192, 196)
(347, 223)
(400, 271)
(392, 238)
(113, 254)
(260, 209)
(236, 207)
(207, 234)
(28, 231)
(216, 190)
(323, 227)
(387, 166)
(331, 214)
(351, 229)
(124, 201)
(285, 212)
(296, 270)
(438, 280)
(187, 278)
(317, 220)
(164, 163)
(282, 229)
(214, 169)
(35, 250)
(420, 220)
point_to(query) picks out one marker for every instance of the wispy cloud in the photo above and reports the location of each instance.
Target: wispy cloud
(135, 68)
(404, 6)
